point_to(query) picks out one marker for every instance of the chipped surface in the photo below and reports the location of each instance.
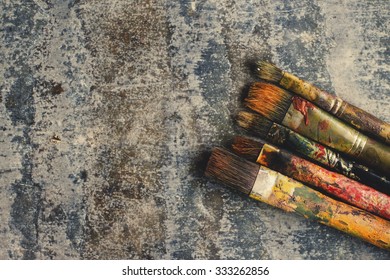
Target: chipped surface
(108, 111)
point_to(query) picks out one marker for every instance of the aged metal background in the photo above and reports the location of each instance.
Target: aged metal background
(108, 110)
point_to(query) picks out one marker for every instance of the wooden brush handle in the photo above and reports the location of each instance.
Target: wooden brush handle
(307, 119)
(286, 138)
(365, 122)
(349, 113)
(285, 193)
(368, 177)
(376, 154)
(333, 183)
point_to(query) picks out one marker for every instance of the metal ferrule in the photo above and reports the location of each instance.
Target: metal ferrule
(337, 107)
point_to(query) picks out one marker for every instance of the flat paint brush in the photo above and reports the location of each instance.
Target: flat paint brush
(309, 173)
(308, 120)
(286, 138)
(280, 191)
(349, 113)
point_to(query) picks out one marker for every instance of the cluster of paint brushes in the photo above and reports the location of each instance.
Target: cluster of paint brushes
(311, 156)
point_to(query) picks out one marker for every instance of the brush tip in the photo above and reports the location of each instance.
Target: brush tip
(269, 100)
(244, 119)
(232, 170)
(247, 147)
(254, 123)
(268, 71)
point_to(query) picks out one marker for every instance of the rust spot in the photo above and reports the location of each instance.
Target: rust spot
(302, 106)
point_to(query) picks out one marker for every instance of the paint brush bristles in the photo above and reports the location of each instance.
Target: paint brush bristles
(268, 71)
(254, 123)
(232, 170)
(287, 194)
(349, 113)
(307, 119)
(269, 100)
(247, 147)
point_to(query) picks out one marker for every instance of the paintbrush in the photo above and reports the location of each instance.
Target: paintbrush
(308, 120)
(275, 189)
(309, 173)
(286, 138)
(349, 113)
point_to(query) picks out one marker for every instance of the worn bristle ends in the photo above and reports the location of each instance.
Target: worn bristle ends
(232, 170)
(268, 71)
(254, 123)
(247, 147)
(269, 100)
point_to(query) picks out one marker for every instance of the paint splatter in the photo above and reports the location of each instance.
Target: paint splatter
(302, 106)
(320, 152)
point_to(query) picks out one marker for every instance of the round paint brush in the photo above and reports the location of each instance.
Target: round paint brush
(303, 117)
(309, 173)
(349, 113)
(284, 137)
(280, 191)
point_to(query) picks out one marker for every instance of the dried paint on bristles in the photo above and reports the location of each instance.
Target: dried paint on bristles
(269, 100)
(247, 147)
(254, 123)
(268, 71)
(232, 170)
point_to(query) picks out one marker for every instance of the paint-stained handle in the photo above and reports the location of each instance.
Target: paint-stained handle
(376, 154)
(309, 120)
(349, 113)
(286, 138)
(285, 193)
(370, 178)
(333, 183)
(365, 122)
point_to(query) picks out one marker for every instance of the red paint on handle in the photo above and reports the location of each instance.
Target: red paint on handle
(347, 189)
(302, 106)
(334, 183)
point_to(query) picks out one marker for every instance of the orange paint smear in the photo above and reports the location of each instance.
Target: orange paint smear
(302, 105)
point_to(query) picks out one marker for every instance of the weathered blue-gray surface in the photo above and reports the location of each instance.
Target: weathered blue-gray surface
(108, 110)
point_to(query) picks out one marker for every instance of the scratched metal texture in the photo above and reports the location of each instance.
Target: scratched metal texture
(108, 111)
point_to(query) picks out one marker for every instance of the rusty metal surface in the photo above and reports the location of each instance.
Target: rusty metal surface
(108, 110)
